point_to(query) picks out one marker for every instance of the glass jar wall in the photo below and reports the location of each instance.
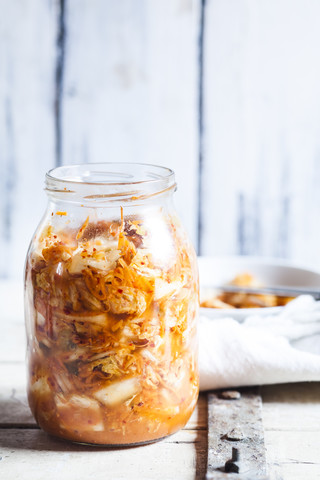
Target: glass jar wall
(111, 302)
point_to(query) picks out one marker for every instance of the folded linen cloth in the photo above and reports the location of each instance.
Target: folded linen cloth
(262, 350)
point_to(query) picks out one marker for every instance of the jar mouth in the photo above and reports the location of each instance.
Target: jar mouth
(106, 182)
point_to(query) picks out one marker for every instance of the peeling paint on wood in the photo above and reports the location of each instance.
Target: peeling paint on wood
(200, 86)
(27, 53)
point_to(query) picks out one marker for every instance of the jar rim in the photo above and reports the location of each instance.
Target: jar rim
(109, 181)
(91, 166)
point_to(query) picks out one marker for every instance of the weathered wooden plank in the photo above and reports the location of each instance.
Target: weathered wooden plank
(31, 454)
(235, 436)
(182, 455)
(291, 407)
(261, 121)
(297, 471)
(129, 93)
(291, 418)
(282, 446)
(27, 65)
(293, 455)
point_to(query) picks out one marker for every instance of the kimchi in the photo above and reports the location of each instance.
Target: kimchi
(112, 312)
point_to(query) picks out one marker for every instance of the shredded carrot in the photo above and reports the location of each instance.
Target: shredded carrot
(61, 213)
(95, 284)
(121, 215)
(82, 228)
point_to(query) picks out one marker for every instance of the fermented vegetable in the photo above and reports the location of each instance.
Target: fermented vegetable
(112, 330)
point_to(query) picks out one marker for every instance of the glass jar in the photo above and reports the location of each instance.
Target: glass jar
(111, 302)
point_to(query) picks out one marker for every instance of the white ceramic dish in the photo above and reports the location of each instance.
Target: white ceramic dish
(270, 272)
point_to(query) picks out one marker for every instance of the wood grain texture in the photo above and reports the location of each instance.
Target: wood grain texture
(261, 125)
(293, 407)
(27, 60)
(130, 88)
(181, 456)
(26, 452)
(32, 454)
(291, 418)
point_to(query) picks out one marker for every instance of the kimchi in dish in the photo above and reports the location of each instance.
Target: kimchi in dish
(242, 299)
(111, 324)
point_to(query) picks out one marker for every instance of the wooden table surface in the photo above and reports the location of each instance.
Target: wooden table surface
(291, 416)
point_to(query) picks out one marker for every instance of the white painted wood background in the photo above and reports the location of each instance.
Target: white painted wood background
(225, 92)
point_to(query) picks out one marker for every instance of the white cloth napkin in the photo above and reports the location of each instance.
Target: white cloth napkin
(261, 350)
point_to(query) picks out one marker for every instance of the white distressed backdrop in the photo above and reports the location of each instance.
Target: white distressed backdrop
(225, 92)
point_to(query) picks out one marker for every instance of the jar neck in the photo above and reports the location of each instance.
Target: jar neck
(110, 184)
